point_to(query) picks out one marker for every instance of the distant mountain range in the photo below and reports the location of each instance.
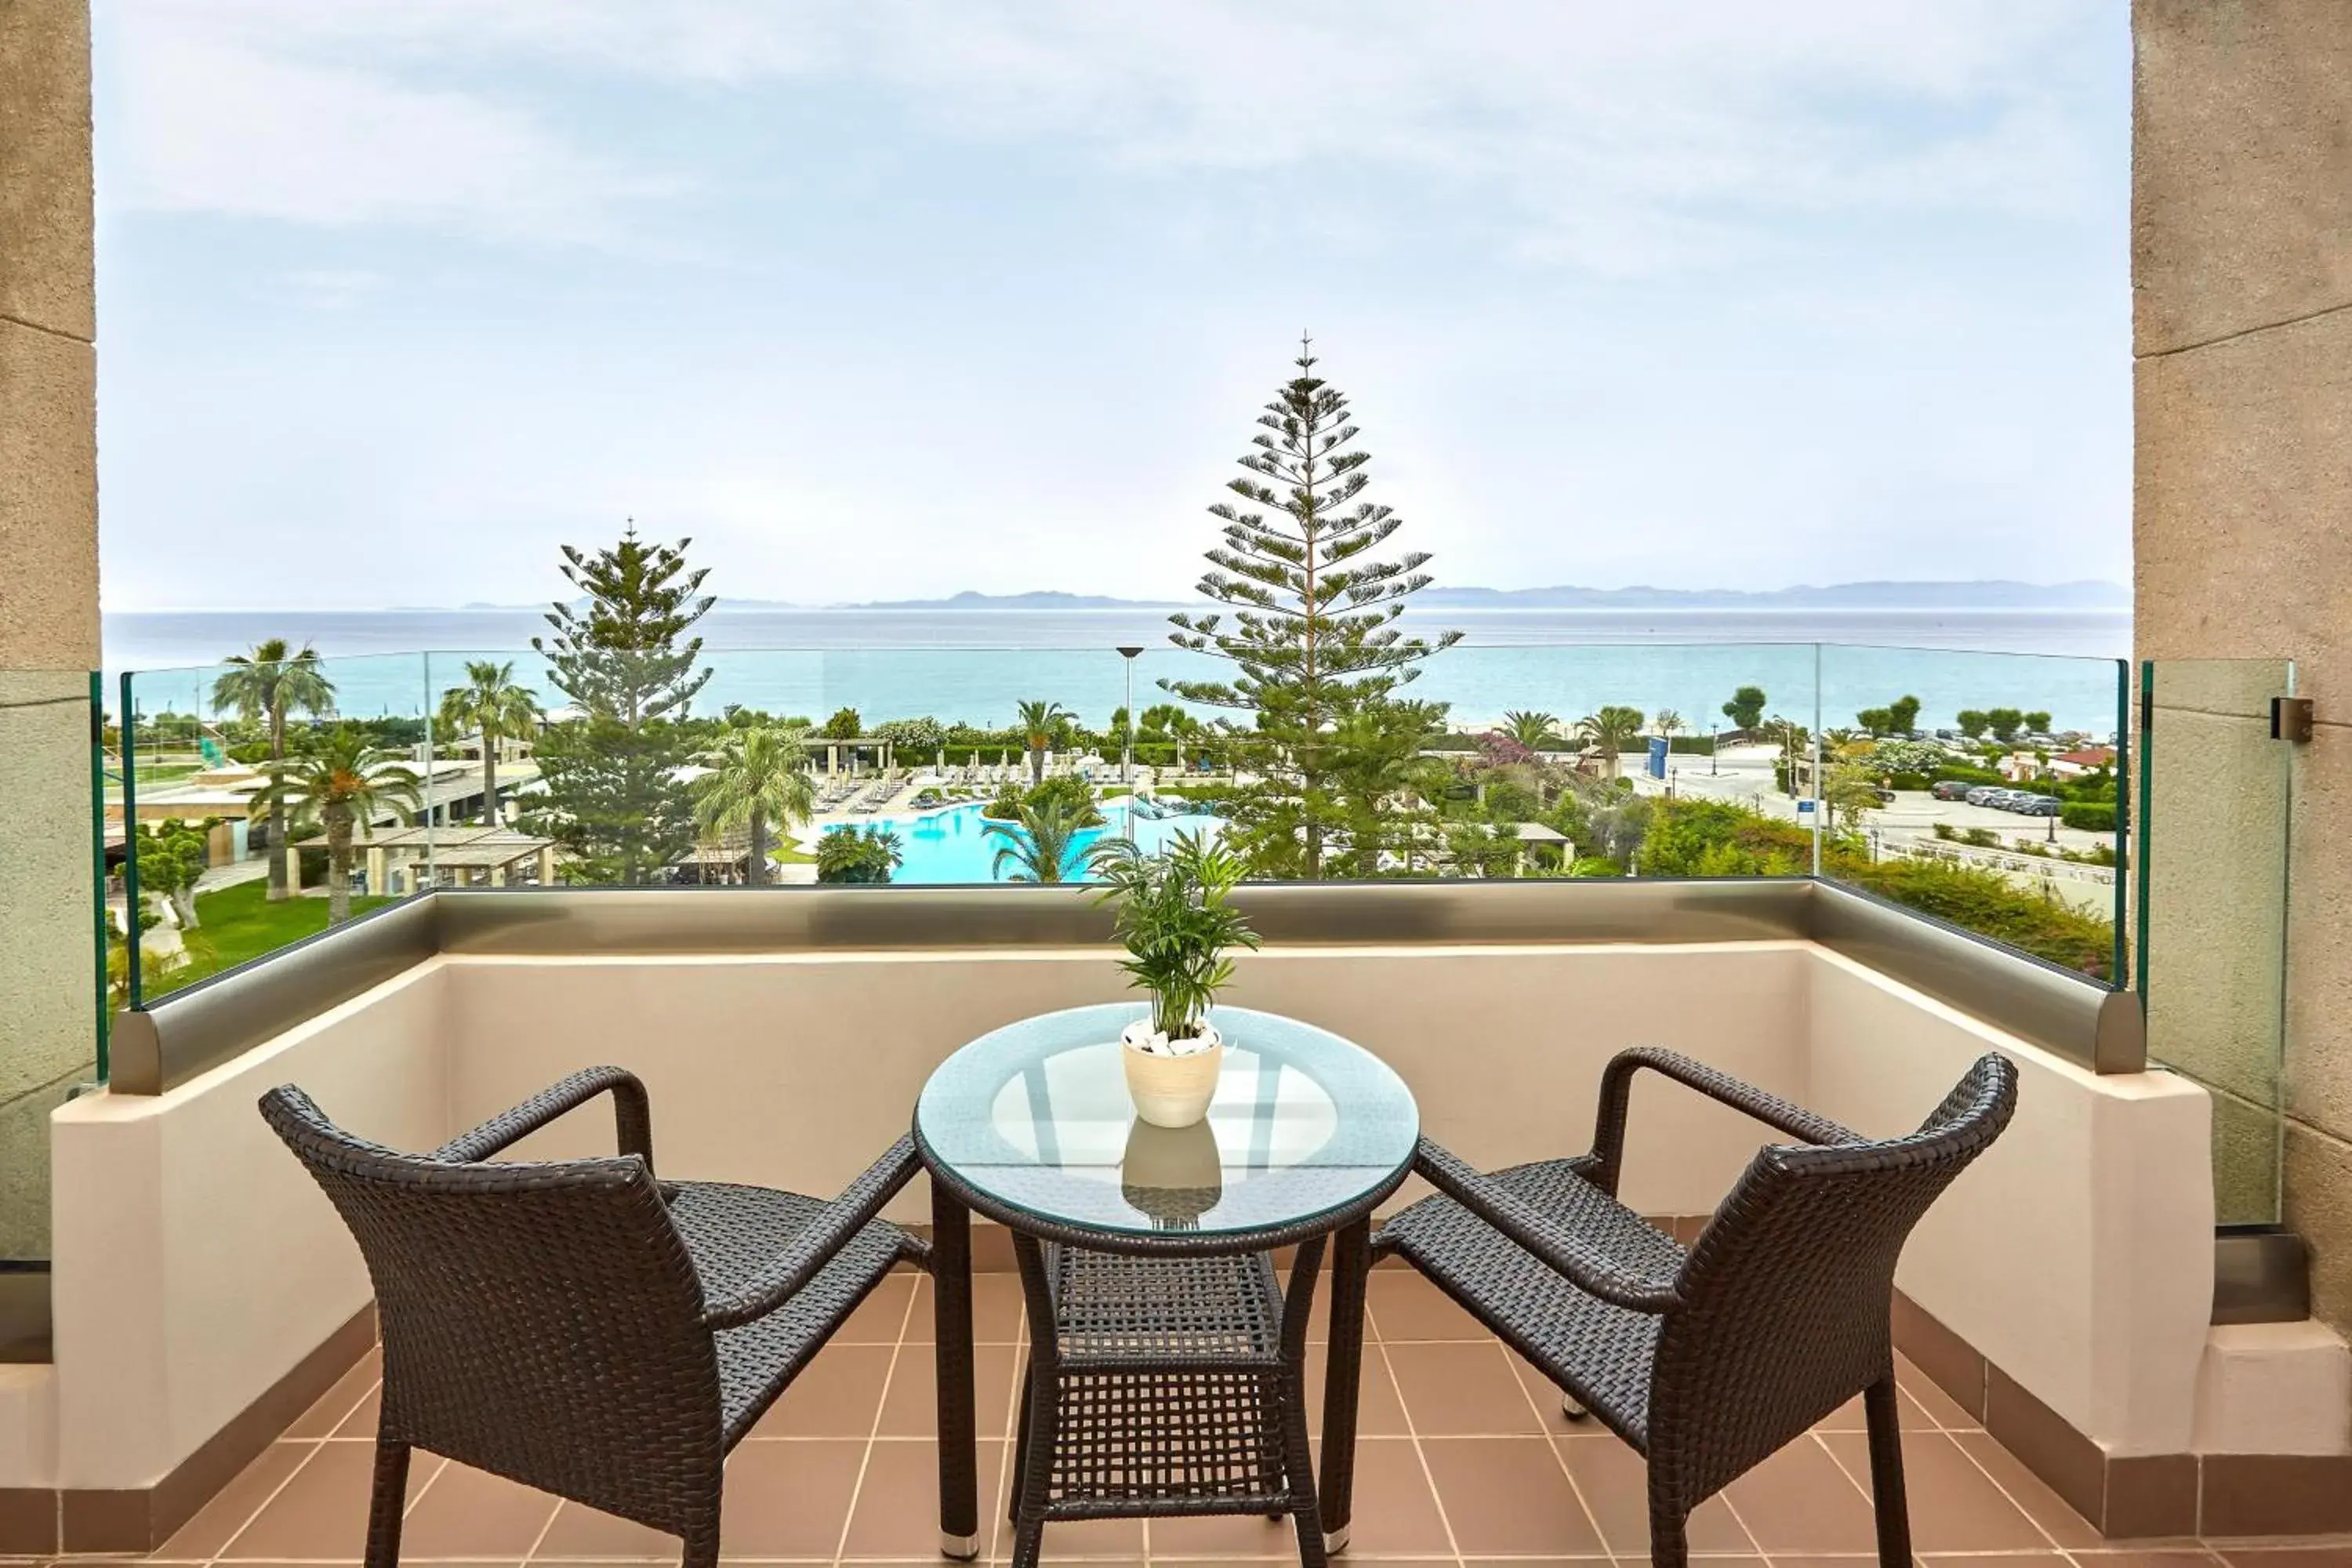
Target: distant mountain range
(1991, 595)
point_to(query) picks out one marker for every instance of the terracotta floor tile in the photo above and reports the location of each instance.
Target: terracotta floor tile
(361, 1423)
(1107, 1540)
(1231, 1535)
(1798, 1501)
(911, 1407)
(1615, 1484)
(1941, 1407)
(1461, 1390)
(468, 1512)
(1404, 1306)
(2033, 1494)
(1997, 1560)
(335, 1403)
(897, 1509)
(1508, 1496)
(1848, 1417)
(790, 1499)
(1954, 1508)
(882, 1315)
(2255, 1555)
(1379, 1412)
(995, 1311)
(265, 1562)
(218, 1521)
(836, 1396)
(586, 1533)
(2147, 1557)
(322, 1511)
(1318, 1312)
(1395, 1512)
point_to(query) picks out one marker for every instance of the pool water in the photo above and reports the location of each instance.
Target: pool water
(953, 845)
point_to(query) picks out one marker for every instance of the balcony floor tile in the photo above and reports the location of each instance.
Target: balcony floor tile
(1464, 1461)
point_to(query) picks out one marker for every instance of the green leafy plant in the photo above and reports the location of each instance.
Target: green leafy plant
(857, 854)
(264, 686)
(1040, 844)
(1745, 709)
(758, 778)
(494, 706)
(1177, 922)
(345, 782)
(2089, 815)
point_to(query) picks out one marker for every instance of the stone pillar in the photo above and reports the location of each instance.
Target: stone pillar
(2241, 516)
(48, 596)
(547, 867)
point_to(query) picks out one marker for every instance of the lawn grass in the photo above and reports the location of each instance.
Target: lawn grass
(240, 924)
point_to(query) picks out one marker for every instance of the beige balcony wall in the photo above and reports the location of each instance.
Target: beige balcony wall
(199, 1264)
(48, 590)
(2241, 273)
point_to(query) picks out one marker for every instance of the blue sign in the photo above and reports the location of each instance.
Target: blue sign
(1657, 756)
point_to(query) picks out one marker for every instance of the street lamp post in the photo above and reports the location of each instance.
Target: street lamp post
(1710, 750)
(1127, 745)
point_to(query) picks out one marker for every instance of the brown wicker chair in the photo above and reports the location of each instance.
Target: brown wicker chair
(577, 1326)
(1706, 1361)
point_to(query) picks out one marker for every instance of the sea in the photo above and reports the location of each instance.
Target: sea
(1816, 667)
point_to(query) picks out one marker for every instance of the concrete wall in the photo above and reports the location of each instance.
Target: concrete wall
(197, 1264)
(2241, 271)
(48, 589)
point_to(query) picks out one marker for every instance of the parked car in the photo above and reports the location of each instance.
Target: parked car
(2041, 805)
(2005, 799)
(1982, 795)
(1951, 789)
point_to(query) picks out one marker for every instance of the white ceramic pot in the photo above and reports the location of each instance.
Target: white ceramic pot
(1170, 1090)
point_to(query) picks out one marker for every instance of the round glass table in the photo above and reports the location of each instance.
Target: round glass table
(1164, 1235)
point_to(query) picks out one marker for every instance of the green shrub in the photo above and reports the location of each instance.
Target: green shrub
(1910, 781)
(1718, 838)
(1595, 866)
(1956, 774)
(2090, 816)
(1988, 904)
(1691, 746)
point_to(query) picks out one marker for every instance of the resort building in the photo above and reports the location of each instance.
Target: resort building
(2124, 1321)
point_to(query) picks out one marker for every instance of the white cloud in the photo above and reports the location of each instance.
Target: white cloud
(1619, 138)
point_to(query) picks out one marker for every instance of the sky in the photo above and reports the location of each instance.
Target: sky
(889, 298)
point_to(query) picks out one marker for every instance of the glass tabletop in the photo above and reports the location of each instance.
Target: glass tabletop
(1036, 1116)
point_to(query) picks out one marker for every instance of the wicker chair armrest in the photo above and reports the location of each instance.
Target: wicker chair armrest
(1556, 1245)
(632, 1116)
(1617, 1092)
(816, 1245)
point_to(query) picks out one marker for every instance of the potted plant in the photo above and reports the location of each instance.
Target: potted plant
(1178, 924)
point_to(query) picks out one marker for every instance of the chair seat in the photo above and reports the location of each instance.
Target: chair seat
(730, 1233)
(1600, 1353)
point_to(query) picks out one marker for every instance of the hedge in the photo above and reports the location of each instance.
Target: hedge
(2090, 816)
(1718, 839)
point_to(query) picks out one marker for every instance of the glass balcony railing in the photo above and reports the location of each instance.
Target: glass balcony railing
(272, 802)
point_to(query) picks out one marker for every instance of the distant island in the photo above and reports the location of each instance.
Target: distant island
(1988, 595)
(969, 600)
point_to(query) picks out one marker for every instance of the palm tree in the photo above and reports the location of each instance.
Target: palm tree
(492, 703)
(1041, 843)
(265, 686)
(758, 776)
(1039, 722)
(1534, 730)
(1612, 729)
(346, 780)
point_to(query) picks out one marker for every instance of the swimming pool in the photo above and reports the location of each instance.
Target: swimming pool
(953, 845)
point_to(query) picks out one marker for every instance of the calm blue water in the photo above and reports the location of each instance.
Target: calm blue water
(975, 667)
(953, 845)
